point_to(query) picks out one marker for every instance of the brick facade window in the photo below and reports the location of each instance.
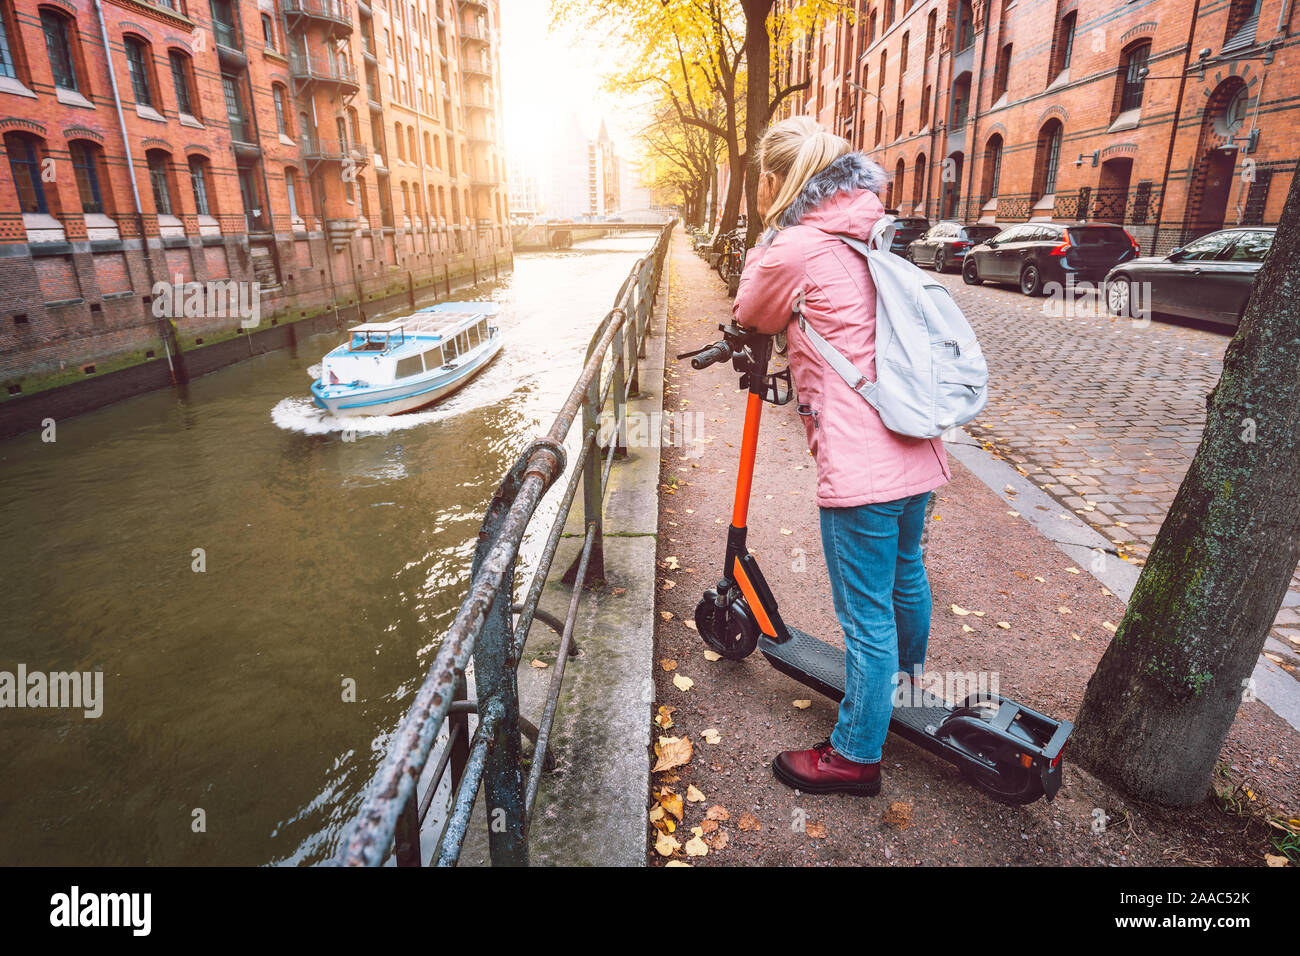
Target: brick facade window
(1133, 72)
(1063, 45)
(24, 153)
(965, 26)
(1001, 71)
(8, 62)
(138, 58)
(1243, 21)
(268, 33)
(86, 166)
(960, 100)
(59, 45)
(182, 81)
(234, 108)
(992, 167)
(1048, 159)
(199, 185)
(158, 162)
(931, 26)
(225, 24)
(278, 96)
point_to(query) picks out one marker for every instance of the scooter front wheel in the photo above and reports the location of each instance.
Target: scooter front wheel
(728, 630)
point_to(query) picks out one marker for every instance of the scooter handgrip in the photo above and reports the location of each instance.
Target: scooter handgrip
(711, 356)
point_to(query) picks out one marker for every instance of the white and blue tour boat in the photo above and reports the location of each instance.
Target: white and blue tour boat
(385, 368)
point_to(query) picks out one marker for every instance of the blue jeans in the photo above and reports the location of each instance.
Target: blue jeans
(882, 599)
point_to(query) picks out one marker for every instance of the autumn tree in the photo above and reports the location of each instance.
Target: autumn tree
(682, 159)
(1163, 698)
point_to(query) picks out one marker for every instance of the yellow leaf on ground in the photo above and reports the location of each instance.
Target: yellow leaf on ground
(968, 629)
(718, 841)
(711, 736)
(540, 665)
(1071, 570)
(959, 611)
(1014, 514)
(1039, 579)
(815, 830)
(672, 752)
(748, 822)
(669, 585)
(717, 812)
(802, 704)
(691, 624)
(786, 531)
(1109, 626)
(898, 816)
(677, 863)
(696, 847)
(682, 682)
(1075, 636)
(712, 655)
(1005, 625)
(666, 615)
(671, 802)
(1272, 860)
(694, 794)
(668, 664)
(664, 717)
(671, 564)
(1063, 610)
(666, 845)
(708, 826)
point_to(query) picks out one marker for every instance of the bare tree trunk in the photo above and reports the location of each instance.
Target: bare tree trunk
(1164, 695)
(758, 82)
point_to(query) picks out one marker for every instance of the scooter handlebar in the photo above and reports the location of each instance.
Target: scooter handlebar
(718, 352)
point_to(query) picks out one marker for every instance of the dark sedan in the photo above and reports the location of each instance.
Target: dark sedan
(946, 243)
(1209, 278)
(1033, 254)
(908, 228)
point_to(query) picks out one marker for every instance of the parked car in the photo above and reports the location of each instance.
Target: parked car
(1209, 278)
(1032, 254)
(909, 228)
(947, 242)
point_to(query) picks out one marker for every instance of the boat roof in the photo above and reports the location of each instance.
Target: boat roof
(443, 319)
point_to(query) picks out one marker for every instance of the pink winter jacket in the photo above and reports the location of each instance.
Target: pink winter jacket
(859, 460)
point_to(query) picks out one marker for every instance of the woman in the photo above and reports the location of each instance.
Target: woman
(872, 484)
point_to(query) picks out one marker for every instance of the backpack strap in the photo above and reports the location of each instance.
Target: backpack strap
(836, 360)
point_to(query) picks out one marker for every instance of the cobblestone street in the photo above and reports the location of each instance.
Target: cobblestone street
(1104, 413)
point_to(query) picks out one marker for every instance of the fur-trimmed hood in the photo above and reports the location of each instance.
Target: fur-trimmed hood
(840, 198)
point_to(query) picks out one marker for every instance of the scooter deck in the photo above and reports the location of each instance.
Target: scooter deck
(820, 666)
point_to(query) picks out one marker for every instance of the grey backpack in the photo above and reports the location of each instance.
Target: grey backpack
(930, 372)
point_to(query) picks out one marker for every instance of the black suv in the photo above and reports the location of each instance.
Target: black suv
(1032, 254)
(908, 228)
(947, 242)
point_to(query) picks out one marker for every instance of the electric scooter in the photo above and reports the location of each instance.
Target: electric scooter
(1010, 752)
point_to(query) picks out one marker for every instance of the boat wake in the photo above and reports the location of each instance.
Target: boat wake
(304, 416)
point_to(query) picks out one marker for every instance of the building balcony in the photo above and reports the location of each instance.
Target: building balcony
(316, 150)
(474, 101)
(479, 138)
(479, 69)
(334, 15)
(315, 69)
(474, 5)
(473, 33)
(484, 182)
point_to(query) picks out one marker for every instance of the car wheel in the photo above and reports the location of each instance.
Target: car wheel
(970, 273)
(1119, 297)
(1031, 280)
(939, 264)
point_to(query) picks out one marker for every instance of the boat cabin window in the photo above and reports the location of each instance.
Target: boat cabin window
(462, 341)
(433, 357)
(451, 350)
(409, 366)
(482, 330)
(374, 341)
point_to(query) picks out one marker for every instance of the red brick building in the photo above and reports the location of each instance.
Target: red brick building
(322, 148)
(1173, 117)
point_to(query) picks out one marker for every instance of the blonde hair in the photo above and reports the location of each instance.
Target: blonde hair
(798, 149)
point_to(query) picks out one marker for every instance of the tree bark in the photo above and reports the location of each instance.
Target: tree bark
(1163, 698)
(758, 67)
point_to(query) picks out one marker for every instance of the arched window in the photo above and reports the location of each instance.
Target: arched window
(268, 32)
(992, 167)
(898, 118)
(88, 169)
(1048, 159)
(61, 45)
(415, 149)
(401, 142)
(918, 187)
(25, 154)
(365, 197)
(931, 27)
(1001, 71)
(889, 13)
(1063, 44)
(896, 192)
(139, 63)
(280, 97)
(200, 177)
(159, 163)
(182, 71)
(1132, 76)
(428, 150)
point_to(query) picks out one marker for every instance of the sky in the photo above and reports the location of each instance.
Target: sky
(545, 73)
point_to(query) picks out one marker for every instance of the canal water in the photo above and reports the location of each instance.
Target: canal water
(225, 736)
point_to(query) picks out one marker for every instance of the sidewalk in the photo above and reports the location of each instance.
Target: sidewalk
(981, 557)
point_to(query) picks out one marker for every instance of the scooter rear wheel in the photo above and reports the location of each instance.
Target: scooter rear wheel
(728, 630)
(1011, 783)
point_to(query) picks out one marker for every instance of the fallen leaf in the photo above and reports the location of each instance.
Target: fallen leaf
(1272, 860)
(1005, 625)
(959, 611)
(691, 624)
(1039, 579)
(677, 863)
(718, 841)
(1109, 626)
(671, 802)
(1014, 514)
(669, 585)
(671, 564)
(967, 628)
(663, 718)
(666, 615)
(668, 664)
(708, 826)
(712, 655)
(617, 591)
(682, 682)
(786, 531)
(540, 665)
(1063, 610)
(1071, 570)
(1075, 636)
(666, 845)
(694, 794)
(672, 752)
(696, 847)
(717, 812)
(898, 816)
(711, 736)
(802, 704)
(815, 830)
(747, 822)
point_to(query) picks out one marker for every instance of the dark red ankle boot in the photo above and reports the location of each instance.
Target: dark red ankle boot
(823, 770)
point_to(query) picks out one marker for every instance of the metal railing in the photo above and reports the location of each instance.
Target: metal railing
(490, 759)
